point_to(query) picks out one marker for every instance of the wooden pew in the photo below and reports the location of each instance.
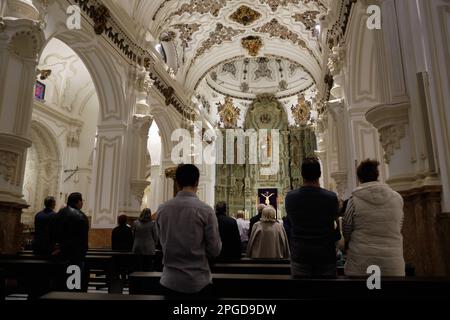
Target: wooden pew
(83, 296)
(251, 268)
(284, 287)
(246, 260)
(101, 266)
(34, 277)
(2, 285)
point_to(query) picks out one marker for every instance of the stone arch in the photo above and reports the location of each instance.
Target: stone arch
(104, 64)
(363, 80)
(43, 169)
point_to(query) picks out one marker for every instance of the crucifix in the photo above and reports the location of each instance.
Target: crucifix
(267, 196)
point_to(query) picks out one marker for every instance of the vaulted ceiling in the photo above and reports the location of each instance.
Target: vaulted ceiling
(205, 34)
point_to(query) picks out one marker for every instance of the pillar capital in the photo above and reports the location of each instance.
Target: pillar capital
(21, 9)
(390, 120)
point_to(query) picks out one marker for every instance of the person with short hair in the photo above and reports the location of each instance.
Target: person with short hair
(312, 212)
(122, 235)
(229, 234)
(145, 240)
(372, 225)
(189, 234)
(72, 235)
(72, 231)
(268, 239)
(43, 241)
(256, 218)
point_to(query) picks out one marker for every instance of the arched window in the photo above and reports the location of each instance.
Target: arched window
(160, 48)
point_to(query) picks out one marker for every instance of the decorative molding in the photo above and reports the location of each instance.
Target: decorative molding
(21, 9)
(186, 31)
(245, 15)
(167, 36)
(138, 188)
(25, 44)
(142, 124)
(8, 165)
(336, 60)
(336, 32)
(390, 137)
(276, 30)
(308, 19)
(212, 7)
(270, 56)
(100, 17)
(252, 44)
(73, 137)
(41, 107)
(218, 36)
(263, 70)
(274, 4)
(228, 113)
(302, 111)
(163, 3)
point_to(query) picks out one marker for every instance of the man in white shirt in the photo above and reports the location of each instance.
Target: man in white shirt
(189, 235)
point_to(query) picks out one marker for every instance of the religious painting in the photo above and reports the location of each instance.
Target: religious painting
(39, 90)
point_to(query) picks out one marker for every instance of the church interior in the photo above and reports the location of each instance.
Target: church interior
(92, 93)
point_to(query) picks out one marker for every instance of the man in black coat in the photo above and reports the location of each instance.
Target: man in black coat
(256, 218)
(43, 241)
(122, 235)
(71, 232)
(229, 234)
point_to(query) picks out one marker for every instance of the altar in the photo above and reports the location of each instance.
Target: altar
(243, 186)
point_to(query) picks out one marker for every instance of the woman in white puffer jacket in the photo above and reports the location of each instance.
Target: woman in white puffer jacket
(372, 226)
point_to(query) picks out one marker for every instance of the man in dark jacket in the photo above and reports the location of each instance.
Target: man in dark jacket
(229, 234)
(256, 218)
(122, 235)
(43, 241)
(72, 230)
(312, 212)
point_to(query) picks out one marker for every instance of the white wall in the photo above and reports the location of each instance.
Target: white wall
(69, 113)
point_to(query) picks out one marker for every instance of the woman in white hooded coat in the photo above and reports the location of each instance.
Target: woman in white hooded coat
(372, 226)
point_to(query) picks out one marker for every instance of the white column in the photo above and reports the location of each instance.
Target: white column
(108, 167)
(20, 43)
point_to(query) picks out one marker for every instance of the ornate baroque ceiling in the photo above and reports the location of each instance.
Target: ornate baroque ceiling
(244, 78)
(207, 34)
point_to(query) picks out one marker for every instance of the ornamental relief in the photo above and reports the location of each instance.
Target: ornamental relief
(302, 111)
(8, 163)
(276, 30)
(252, 44)
(390, 137)
(218, 36)
(25, 45)
(201, 6)
(245, 15)
(228, 113)
(185, 32)
(308, 18)
(275, 4)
